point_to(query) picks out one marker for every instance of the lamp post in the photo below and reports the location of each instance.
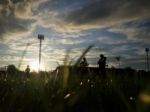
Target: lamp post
(40, 37)
(147, 50)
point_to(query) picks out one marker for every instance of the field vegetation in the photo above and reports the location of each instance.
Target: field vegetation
(67, 89)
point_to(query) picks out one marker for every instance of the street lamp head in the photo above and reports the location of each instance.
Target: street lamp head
(40, 36)
(147, 49)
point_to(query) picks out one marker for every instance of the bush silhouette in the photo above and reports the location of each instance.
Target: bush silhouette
(11, 69)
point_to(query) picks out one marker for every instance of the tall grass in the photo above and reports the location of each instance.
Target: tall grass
(23, 54)
(69, 93)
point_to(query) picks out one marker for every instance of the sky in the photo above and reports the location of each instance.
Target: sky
(113, 27)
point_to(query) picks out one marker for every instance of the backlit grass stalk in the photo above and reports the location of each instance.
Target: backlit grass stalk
(67, 64)
(66, 71)
(23, 54)
(83, 54)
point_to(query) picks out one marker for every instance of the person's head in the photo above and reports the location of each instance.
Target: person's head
(84, 58)
(101, 55)
(27, 66)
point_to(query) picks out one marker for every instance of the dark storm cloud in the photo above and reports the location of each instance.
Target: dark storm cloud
(135, 30)
(15, 16)
(9, 23)
(99, 10)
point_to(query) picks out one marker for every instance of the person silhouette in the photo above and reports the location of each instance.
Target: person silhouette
(102, 65)
(84, 63)
(83, 66)
(27, 70)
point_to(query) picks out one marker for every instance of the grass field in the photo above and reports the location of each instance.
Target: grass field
(66, 91)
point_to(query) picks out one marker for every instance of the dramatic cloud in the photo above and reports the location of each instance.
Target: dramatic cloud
(135, 30)
(16, 16)
(107, 11)
(114, 27)
(69, 16)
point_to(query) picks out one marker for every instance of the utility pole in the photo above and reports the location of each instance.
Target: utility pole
(40, 37)
(147, 50)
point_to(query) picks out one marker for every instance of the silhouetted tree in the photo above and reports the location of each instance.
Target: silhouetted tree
(11, 69)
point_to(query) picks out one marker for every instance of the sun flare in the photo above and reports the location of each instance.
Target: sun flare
(34, 65)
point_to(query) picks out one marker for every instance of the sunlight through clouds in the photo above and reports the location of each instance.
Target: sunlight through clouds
(114, 28)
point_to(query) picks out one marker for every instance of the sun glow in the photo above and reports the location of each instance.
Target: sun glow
(34, 66)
